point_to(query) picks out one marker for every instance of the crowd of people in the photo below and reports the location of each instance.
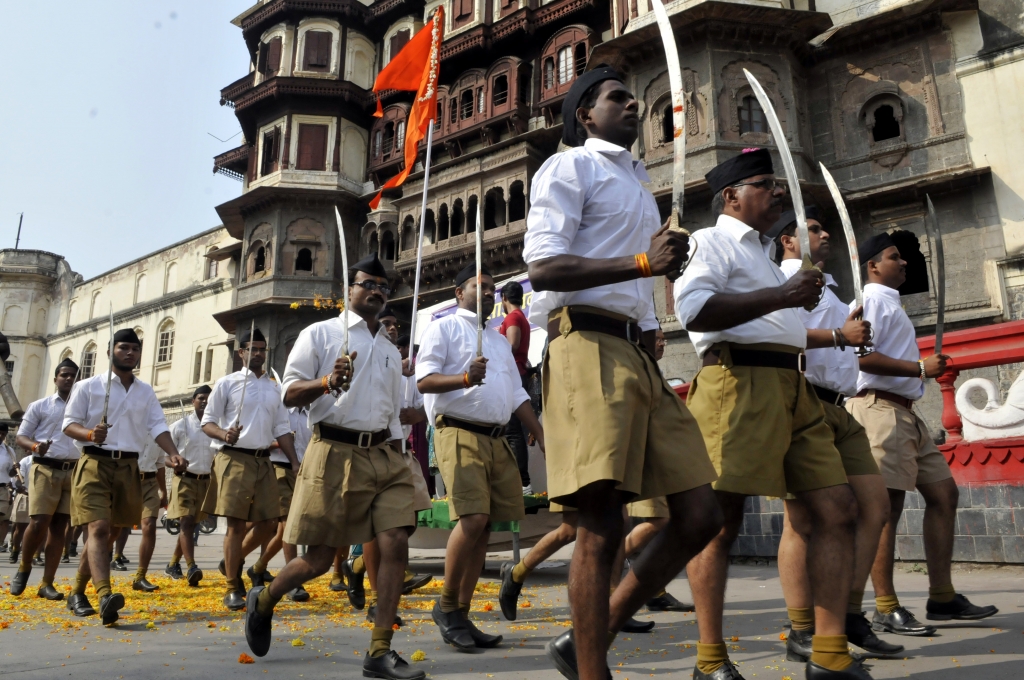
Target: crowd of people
(784, 405)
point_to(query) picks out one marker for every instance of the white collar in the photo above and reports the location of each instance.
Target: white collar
(883, 291)
(740, 230)
(459, 311)
(243, 370)
(620, 155)
(792, 265)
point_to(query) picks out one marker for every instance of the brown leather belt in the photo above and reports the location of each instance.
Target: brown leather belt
(889, 396)
(115, 455)
(364, 440)
(828, 396)
(55, 463)
(492, 431)
(258, 453)
(191, 475)
(759, 358)
(585, 321)
(147, 475)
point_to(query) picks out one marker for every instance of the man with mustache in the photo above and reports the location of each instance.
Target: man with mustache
(763, 425)
(470, 399)
(617, 432)
(106, 491)
(891, 379)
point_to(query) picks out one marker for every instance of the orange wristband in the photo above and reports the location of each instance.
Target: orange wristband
(643, 265)
(90, 435)
(35, 447)
(326, 383)
(465, 379)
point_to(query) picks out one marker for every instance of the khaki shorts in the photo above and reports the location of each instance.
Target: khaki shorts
(187, 496)
(106, 489)
(764, 428)
(49, 490)
(558, 507)
(285, 487)
(421, 494)
(851, 441)
(900, 443)
(480, 474)
(5, 503)
(652, 507)
(19, 509)
(346, 495)
(242, 487)
(151, 497)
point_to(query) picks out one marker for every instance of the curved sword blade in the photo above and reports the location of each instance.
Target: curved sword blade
(245, 382)
(110, 366)
(344, 273)
(675, 79)
(935, 236)
(851, 238)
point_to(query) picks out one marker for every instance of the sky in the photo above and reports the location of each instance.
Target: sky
(107, 110)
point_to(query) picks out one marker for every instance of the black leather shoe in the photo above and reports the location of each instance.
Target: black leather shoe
(959, 609)
(39, 561)
(859, 633)
(174, 571)
(299, 595)
(257, 579)
(48, 592)
(142, 584)
(117, 566)
(223, 571)
(901, 622)
(666, 602)
(195, 575)
(371, 616)
(257, 627)
(79, 606)
(65, 559)
(562, 652)
(19, 582)
(481, 639)
(356, 593)
(109, 606)
(453, 628)
(416, 582)
(852, 672)
(634, 626)
(338, 585)
(124, 561)
(15, 554)
(508, 595)
(73, 550)
(235, 600)
(390, 666)
(798, 645)
(727, 671)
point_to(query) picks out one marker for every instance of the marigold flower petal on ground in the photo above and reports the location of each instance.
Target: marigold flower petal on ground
(245, 658)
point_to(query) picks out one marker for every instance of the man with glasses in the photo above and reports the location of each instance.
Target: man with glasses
(741, 313)
(243, 485)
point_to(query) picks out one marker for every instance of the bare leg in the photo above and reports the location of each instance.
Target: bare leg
(830, 554)
(148, 542)
(881, 570)
(273, 545)
(371, 560)
(185, 546)
(709, 570)
(95, 555)
(796, 531)
(644, 533)
(553, 541)
(259, 533)
(873, 512)
(463, 557)
(392, 547)
(233, 546)
(939, 521)
(35, 533)
(290, 551)
(55, 545)
(315, 562)
(122, 540)
(17, 535)
(5, 525)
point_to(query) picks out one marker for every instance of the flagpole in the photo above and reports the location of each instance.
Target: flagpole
(419, 258)
(479, 278)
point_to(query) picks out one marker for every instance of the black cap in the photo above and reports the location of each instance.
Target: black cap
(202, 389)
(468, 273)
(127, 335)
(750, 163)
(257, 336)
(874, 245)
(576, 92)
(370, 264)
(386, 312)
(67, 363)
(812, 212)
(403, 340)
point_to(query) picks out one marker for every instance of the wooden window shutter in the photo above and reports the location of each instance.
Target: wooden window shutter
(317, 53)
(398, 41)
(261, 59)
(465, 10)
(323, 53)
(623, 7)
(273, 57)
(312, 147)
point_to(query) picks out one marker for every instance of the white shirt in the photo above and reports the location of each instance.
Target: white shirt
(134, 415)
(264, 417)
(25, 466)
(374, 398)
(448, 347)
(411, 398)
(193, 444)
(589, 201)
(43, 420)
(151, 458)
(6, 463)
(827, 367)
(299, 418)
(894, 337)
(732, 258)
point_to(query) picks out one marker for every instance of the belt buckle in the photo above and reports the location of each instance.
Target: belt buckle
(496, 431)
(115, 455)
(369, 439)
(801, 362)
(65, 466)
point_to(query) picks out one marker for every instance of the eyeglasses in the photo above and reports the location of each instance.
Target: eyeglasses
(768, 183)
(373, 285)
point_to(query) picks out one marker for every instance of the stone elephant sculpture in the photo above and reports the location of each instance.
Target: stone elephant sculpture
(995, 421)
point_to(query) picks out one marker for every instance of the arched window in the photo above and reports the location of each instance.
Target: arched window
(481, 105)
(208, 373)
(752, 116)
(374, 243)
(389, 138)
(494, 208)
(71, 311)
(442, 225)
(458, 218)
(378, 143)
(917, 266)
(581, 58)
(466, 104)
(139, 333)
(140, 288)
(66, 354)
(516, 202)
(499, 91)
(408, 233)
(440, 115)
(667, 127)
(886, 125)
(566, 69)
(165, 343)
(471, 215)
(549, 73)
(197, 369)
(171, 278)
(94, 307)
(453, 110)
(88, 363)
(211, 264)
(400, 135)
(429, 229)
(304, 260)
(387, 246)
(261, 259)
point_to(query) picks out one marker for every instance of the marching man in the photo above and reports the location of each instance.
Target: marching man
(154, 496)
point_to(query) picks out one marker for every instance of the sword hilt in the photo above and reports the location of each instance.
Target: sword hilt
(673, 225)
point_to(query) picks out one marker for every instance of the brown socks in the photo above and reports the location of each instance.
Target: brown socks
(520, 572)
(449, 599)
(942, 594)
(380, 641)
(801, 618)
(885, 604)
(711, 657)
(831, 652)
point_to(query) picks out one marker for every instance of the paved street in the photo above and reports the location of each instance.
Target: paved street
(180, 632)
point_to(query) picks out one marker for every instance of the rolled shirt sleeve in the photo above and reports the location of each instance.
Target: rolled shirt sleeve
(156, 422)
(556, 207)
(215, 405)
(703, 278)
(282, 424)
(433, 353)
(303, 362)
(395, 425)
(77, 410)
(30, 421)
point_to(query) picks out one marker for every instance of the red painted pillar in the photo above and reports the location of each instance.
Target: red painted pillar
(950, 417)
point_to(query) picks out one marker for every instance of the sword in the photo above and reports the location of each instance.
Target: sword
(245, 382)
(675, 79)
(344, 284)
(787, 163)
(935, 235)
(110, 367)
(851, 246)
(479, 281)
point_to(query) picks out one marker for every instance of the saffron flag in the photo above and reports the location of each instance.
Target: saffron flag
(415, 67)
